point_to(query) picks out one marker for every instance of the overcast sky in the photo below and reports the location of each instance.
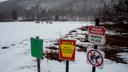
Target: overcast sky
(2, 0)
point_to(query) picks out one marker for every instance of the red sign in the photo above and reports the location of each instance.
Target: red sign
(92, 58)
(100, 30)
(67, 49)
(97, 35)
(95, 57)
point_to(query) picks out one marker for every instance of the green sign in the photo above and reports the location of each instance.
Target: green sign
(96, 38)
(37, 48)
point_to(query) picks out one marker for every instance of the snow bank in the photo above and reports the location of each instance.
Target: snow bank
(17, 58)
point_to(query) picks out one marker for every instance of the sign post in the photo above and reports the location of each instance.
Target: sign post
(94, 68)
(97, 21)
(38, 65)
(67, 51)
(95, 57)
(96, 37)
(67, 66)
(37, 50)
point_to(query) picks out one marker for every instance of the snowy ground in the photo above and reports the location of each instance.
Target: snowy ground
(15, 55)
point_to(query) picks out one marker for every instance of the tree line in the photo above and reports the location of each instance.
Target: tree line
(115, 11)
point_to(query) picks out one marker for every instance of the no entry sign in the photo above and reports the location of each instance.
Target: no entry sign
(95, 57)
(67, 49)
(97, 35)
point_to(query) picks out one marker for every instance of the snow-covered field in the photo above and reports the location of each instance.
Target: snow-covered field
(15, 55)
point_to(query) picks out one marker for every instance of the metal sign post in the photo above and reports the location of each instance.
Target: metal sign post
(95, 58)
(38, 65)
(67, 51)
(37, 50)
(67, 66)
(38, 60)
(94, 68)
(97, 37)
(97, 21)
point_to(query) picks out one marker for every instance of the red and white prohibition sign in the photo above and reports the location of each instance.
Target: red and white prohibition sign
(95, 57)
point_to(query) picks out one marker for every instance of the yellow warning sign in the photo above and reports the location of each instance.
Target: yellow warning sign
(67, 49)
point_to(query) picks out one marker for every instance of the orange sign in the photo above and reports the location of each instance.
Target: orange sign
(67, 49)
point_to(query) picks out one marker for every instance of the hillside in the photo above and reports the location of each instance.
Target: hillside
(80, 7)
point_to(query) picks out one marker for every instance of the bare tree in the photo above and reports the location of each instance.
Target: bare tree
(14, 14)
(117, 11)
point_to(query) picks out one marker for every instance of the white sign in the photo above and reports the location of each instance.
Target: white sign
(97, 35)
(95, 57)
(97, 39)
